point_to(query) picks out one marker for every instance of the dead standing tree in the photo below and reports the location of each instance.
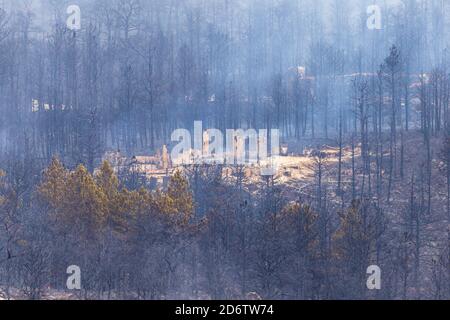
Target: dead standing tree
(391, 69)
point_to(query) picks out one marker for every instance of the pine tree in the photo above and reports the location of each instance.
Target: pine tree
(107, 180)
(179, 199)
(85, 204)
(445, 156)
(355, 244)
(2, 189)
(54, 184)
(76, 202)
(300, 225)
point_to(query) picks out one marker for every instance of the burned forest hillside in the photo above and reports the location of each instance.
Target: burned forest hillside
(224, 149)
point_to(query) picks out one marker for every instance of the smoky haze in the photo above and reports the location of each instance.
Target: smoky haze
(358, 90)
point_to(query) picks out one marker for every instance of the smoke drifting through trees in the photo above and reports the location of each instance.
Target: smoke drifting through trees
(137, 70)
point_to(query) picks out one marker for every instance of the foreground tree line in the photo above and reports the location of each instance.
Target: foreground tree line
(202, 237)
(137, 70)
